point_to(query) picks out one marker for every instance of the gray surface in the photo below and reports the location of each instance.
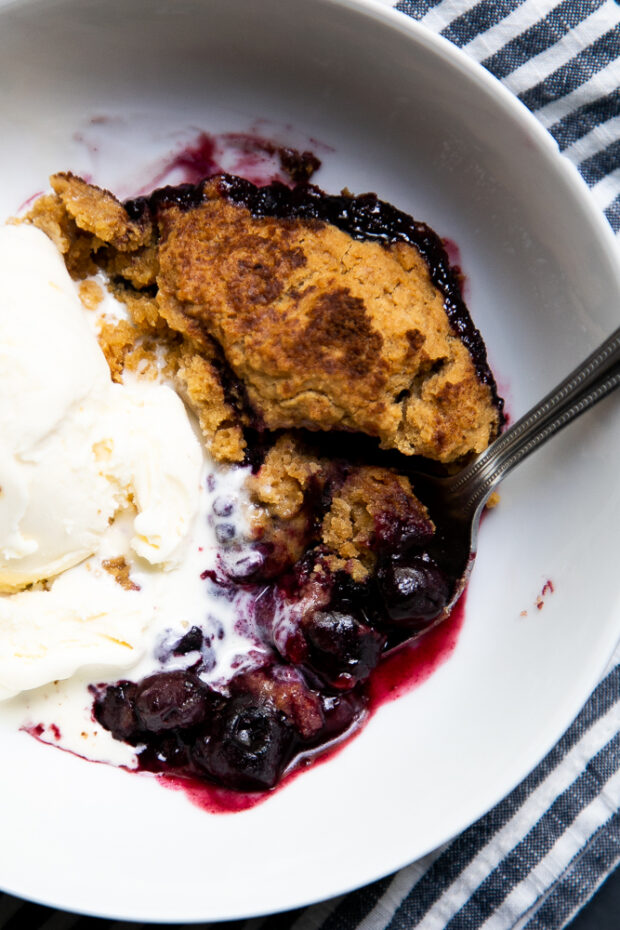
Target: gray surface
(603, 911)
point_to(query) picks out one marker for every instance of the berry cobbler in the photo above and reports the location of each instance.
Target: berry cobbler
(321, 346)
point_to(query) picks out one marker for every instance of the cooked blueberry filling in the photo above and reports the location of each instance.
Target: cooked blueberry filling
(341, 648)
(414, 590)
(323, 634)
(247, 747)
(243, 741)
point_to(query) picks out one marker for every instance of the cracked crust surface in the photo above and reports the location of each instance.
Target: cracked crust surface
(325, 331)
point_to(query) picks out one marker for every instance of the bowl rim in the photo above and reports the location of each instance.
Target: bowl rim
(457, 60)
(457, 57)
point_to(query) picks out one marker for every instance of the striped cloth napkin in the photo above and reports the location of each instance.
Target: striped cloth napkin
(536, 858)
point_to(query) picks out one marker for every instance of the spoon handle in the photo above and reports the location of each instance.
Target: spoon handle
(592, 380)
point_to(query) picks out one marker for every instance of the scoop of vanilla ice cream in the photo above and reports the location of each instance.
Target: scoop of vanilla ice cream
(84, 621)
(74, 447)
(154, 452)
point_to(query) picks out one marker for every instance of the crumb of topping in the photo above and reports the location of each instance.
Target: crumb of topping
(200, 384)
(142, 309)
(49, 214)
(139, 268)
(144, 360)
(119, 569)
(99, 213)
(90, 293)
(284, 478)
(355, 568)
(117, 339)
(283, 493)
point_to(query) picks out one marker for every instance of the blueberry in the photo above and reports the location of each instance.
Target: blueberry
(287, 690)
(223, 506)
(401, 532)
(247, 746)
(243, 566)
(208, 660)
(342, 648)
(415, 592)
(352, 597)
(115, 711)
(164, 752)
(192, 641)
(168, 700)
(341, 711)
(224, 533)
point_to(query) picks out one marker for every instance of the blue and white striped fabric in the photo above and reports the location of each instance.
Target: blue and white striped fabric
(533, 861)
(561, 60)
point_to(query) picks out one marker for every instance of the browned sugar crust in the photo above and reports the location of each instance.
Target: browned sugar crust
(325, 331)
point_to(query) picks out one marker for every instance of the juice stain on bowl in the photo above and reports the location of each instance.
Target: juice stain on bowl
(248, 155)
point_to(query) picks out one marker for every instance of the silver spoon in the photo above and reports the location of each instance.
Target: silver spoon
(460, 498)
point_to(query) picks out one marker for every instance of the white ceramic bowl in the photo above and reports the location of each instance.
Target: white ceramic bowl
(404, 114)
